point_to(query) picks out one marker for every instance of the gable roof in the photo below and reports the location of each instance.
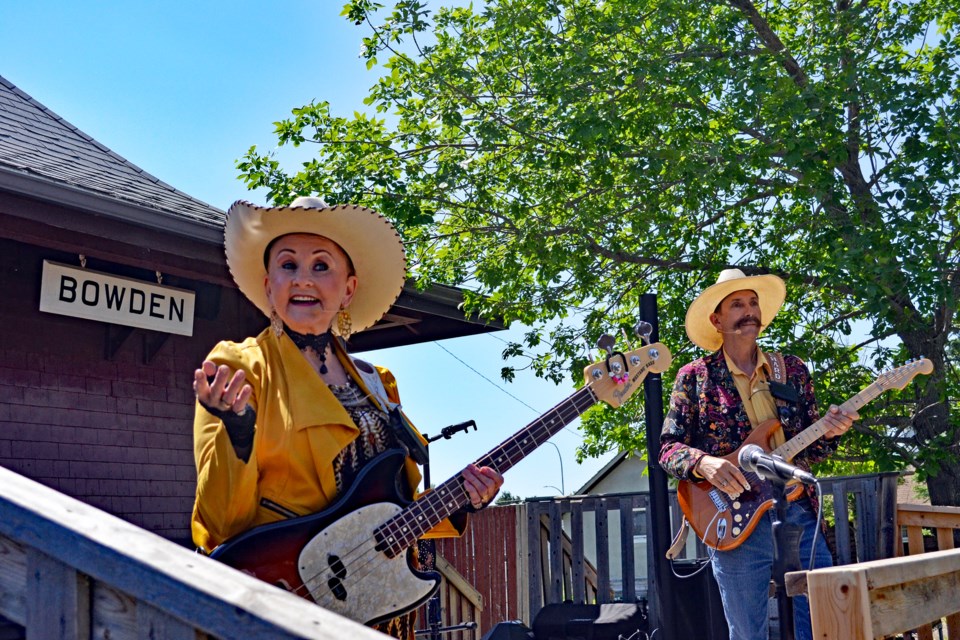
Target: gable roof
(607, 469)
(44, 156)
(63, 189)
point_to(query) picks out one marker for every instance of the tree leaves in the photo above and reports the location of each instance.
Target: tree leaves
(561, 158)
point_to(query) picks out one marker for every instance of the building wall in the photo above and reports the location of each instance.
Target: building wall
(115, 432)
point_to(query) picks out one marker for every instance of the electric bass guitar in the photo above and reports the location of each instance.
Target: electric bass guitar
(723, 522)
(355, 558)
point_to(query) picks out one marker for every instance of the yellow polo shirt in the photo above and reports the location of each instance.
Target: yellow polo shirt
(755, 394)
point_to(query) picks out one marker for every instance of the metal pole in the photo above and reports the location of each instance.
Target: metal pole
(662, 607)
(563, 490)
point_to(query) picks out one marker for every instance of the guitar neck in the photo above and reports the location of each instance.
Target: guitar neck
(406, 527)
(792, 447)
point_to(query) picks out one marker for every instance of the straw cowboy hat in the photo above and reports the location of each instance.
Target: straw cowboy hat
(770, 291)
(371, 241)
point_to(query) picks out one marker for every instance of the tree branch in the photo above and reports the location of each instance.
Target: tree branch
(771, 40)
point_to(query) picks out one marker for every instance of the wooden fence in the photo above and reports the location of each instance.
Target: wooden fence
(559, 568)
(558, 563)
(865, 514)
(488, 557)
(69, 571)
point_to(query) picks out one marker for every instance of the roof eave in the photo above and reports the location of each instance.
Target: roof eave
(54, 192)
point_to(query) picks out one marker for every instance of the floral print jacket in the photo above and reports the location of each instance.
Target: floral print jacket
(707, 417)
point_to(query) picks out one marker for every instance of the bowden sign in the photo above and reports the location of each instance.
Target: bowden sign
(82, 293)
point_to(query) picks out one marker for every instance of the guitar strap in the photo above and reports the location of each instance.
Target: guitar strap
(371, 378)
(778, 370)
(404, 431)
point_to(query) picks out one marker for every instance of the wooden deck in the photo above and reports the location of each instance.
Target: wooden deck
(68, 570)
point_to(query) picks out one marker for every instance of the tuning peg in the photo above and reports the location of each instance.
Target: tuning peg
(606, 342)
(644, 330)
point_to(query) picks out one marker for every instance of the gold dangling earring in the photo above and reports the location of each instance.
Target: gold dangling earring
(276, 324)
(344, 324)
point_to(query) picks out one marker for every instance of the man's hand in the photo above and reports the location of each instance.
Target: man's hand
(838, 421)
(722, 474)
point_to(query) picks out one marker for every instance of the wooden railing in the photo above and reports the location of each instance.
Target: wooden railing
(883, 597)
(943, 522)
(893, 595)
(73, 572)
(558, 564)
(871, 534)
(460, 605)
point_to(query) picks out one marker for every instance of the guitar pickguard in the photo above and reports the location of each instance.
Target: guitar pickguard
(344, 573)
(723, 522)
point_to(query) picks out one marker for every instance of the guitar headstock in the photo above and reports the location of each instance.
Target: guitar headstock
(616, 378)
(901, 376)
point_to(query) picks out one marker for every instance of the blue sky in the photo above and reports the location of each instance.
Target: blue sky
(183, 89)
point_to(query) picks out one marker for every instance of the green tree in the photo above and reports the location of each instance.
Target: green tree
(559, 158)
(506, 497)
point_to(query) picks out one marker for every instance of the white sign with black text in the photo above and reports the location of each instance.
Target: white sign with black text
(82, 293)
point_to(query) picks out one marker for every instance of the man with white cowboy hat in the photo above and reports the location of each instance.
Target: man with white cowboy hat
(287, 422)
(716, 402)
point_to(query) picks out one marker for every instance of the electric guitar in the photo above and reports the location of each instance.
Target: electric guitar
(355, 558)
(723, 522)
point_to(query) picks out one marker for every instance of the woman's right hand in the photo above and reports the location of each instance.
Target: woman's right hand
(217, 389)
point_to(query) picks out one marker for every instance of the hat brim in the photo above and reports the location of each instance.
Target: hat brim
(770, 290)
(371, 241)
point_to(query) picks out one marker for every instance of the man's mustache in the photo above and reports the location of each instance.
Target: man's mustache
(747, 320)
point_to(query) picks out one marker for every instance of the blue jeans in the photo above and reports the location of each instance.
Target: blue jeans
(743, 575)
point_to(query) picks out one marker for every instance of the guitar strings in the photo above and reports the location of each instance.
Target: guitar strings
(368, 560)
(362, 570)
(562, 409)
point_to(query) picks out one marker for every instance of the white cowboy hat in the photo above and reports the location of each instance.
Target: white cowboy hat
(770, 290)
(371, 241)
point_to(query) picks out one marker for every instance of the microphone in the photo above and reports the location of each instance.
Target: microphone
(766, 465)
(731, 333)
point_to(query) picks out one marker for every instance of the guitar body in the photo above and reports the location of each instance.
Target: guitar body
(720, 521)
(355, 558)
(331, 558)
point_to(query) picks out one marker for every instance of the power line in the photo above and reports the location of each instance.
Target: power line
(458, 359)
(461, 361)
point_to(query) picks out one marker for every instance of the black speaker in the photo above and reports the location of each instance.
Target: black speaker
(569, 621)
(512, 630)
(697, 602)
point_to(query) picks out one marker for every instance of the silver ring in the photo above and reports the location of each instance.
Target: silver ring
(723, 483)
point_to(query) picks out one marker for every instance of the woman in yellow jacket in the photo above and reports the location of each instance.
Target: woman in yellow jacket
(287, 421)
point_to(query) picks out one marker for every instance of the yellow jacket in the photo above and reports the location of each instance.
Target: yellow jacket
(301, 427)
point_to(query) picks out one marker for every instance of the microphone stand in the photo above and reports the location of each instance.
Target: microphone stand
(786, 555)
(433, 604)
